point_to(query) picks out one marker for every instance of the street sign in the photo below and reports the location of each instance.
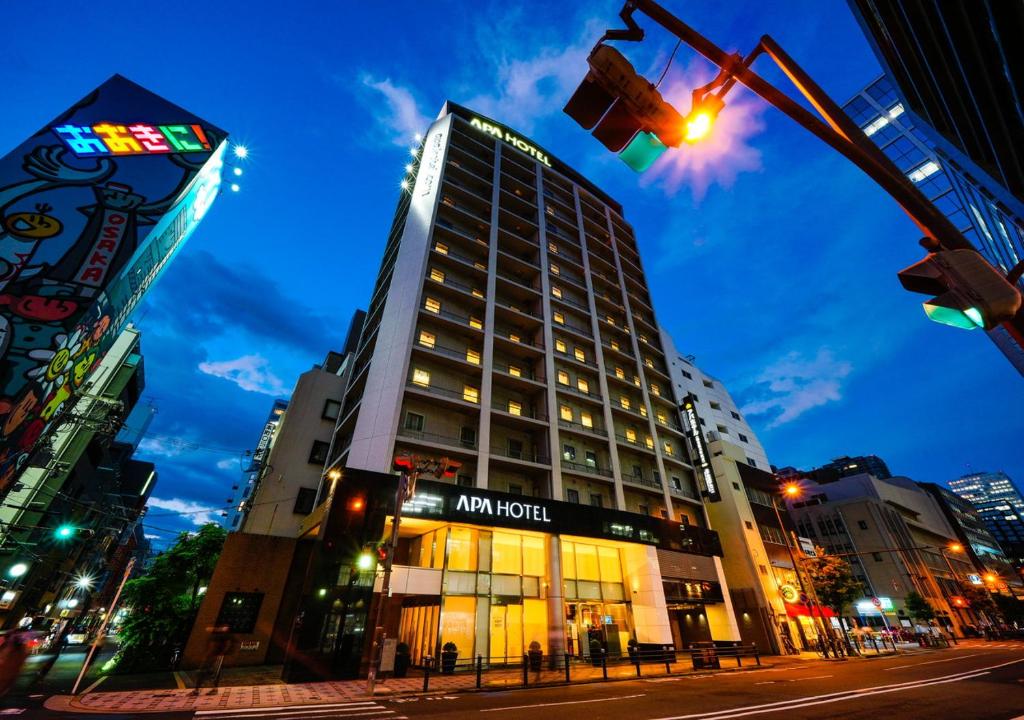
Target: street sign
(807, 545)
(877, 602)
(789, 593)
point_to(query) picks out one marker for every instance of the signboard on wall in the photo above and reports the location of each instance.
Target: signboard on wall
(92, 207)
(702, 462)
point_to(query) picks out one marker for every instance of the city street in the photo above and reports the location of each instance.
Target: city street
(973, 680)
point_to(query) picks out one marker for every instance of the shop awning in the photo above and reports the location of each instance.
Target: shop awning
(801, 610)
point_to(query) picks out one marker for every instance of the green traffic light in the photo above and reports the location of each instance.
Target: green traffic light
(365, 561)
(642, 151)
(967, 319)
(63, 532)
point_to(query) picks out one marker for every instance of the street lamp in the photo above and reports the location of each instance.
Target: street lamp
(17, 570)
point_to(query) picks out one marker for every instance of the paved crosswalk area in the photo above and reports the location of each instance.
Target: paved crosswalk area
(366, 709)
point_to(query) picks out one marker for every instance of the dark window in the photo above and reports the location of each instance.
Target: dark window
(862, 525)
(735, 486)
(750, 525)
(515, 489)
(877, 556)
(664, 514)
(318, 453)
(572, 496)
(684, 519)
(305, 501)
(644, 509)
(569, 452)
(637, 472)
(591, 458)
(676, 483)
(735, 414)
(414, 422)
(331, 410)
(687, 375)
(750, 462)
(596, 500)
(238, 611)
(515, 450)
(468, 437)
(465, 480)
(743, 438)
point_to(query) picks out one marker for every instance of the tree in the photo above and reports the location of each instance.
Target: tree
(165, 600)
(917, 607)
(833, 581)
(1011, 609)
(981, 602)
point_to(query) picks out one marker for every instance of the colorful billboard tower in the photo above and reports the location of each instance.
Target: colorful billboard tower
(92, 208)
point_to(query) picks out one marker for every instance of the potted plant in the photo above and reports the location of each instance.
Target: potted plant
(536, 656)
(596, 652)
(402, 660)
(449, 654)
(634, 651)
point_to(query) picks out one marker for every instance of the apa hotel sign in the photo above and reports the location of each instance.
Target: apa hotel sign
(495, 508)
(510, 138)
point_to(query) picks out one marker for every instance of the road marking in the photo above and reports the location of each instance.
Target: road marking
(309, 711)
(325, 706)
(815, 677)
(93, 686)
(568, 702)
(839, 696)
(932, 662)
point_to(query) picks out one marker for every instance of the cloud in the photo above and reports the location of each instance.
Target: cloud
(162, 446)
(249, 372)
(228, 464)
(405, 119)
(196, 513)
(236, 297)
(794, 384)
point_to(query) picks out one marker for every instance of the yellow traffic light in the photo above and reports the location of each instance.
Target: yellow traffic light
(702, 118)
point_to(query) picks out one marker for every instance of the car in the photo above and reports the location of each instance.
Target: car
(77, 638)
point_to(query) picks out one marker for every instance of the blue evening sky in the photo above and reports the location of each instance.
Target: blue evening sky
(770, 258)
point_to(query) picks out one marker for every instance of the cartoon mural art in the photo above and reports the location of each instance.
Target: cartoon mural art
(92, 208)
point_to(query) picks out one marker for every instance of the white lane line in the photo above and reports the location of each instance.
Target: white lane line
(932, 662)
(784, 704)
(94, 685)
(568, 702)
(815, 677)
(311, 706)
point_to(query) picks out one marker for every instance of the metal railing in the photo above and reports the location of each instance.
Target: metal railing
(587, 468)
(434, 437)
(584, 428)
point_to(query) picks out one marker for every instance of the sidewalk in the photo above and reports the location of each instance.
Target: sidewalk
(299, 694)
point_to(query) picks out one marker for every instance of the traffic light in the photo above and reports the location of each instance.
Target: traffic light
(624, 110)
(64, 532)
(969, 292)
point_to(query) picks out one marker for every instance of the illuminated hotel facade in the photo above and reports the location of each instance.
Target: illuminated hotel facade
(511, 329)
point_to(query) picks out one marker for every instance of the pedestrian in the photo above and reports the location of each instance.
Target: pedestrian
(219, 644)
(13, 651)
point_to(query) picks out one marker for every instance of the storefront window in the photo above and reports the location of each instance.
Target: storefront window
(458, 623)
(568, 560)
(586, 562)
(507, 554)
(534, 560)
(462, 549)
(611, 569)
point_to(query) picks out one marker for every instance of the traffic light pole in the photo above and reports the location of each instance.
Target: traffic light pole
(840, 132)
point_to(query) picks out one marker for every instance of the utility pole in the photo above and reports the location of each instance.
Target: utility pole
(103, 628)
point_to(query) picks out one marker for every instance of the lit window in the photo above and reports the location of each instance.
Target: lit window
(559, 318)
(560, 346)
(441, 248)
(476, 323)
(554, 269)
(470, 394)
(421, 377)
(579, 354)
(436, 275)
(447, 200)
(614, 344)
(514, 337)
(557, 292)
(620, 373)
(630, 435)
(648, 362)
(643, 410)
(636, 380)
(649, 442)
(477, 293)
(515, 408)
(609, 319)
(472, 356)
(667, 447)
(586, 420)
(565, 412)
(643, 338)
(624, 401)
(583, 385)
(515, 371)
(479, 265)
(427, 339)
(563, 377)
(923, 171)
(896, 110)
(552, 248)
(662, 417)
(876, 125)
(655, 389)
(432, 304)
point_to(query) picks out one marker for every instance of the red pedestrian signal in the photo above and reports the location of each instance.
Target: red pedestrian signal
(969, 292)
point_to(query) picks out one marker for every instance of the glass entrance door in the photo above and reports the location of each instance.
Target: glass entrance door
(506, 633)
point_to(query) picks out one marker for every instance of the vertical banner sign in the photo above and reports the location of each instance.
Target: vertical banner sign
(708, 484)
(92, 207)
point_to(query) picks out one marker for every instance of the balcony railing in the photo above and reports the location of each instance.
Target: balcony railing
(433, 437)
(641, 480)
(568, 424)
(525, 410)
(526, 454)
(445, 392)
(586, 468)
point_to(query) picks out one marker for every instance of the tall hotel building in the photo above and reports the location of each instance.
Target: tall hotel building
(511, 329)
